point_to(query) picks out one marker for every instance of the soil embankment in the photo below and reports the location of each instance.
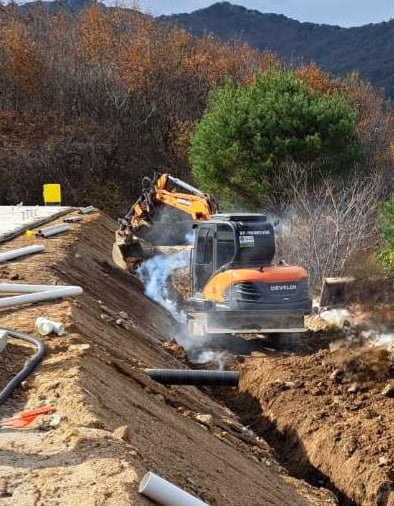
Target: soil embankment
(113, 423)
(333, 411)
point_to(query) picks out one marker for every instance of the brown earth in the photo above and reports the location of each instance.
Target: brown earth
(328, 410)
(113, 423)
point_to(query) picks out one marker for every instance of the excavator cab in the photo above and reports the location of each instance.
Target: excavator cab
(236, 287)
(218, 244)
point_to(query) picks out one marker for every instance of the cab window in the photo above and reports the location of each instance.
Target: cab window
(225, 245)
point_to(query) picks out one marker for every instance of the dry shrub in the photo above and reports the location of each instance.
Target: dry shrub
(329, 225)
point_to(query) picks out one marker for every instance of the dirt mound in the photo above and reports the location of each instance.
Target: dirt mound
(331, 411)
(114, 423)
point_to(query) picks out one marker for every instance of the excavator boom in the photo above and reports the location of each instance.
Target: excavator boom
(161, 192)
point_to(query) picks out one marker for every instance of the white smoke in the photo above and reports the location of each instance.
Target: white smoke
(154, 273)
(205, 356)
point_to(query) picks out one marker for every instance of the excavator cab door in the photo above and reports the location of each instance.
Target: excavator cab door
(203, 253)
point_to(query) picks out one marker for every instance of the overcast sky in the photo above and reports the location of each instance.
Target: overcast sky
(338, 12)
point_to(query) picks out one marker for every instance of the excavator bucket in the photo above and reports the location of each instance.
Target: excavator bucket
(335, 292)
(128, 257)
(118, 258)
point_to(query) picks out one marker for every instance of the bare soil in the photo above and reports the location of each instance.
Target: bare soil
(328, 410)
(115, 423)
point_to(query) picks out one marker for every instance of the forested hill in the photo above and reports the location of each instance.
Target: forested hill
(366, 49)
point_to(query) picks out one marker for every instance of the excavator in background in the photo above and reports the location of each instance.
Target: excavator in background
(236, 288)
(160, 219)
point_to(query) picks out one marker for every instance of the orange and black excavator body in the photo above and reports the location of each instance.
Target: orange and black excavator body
(236, 287)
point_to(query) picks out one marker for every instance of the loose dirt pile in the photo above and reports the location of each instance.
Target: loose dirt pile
(333, 411)
(112, 422)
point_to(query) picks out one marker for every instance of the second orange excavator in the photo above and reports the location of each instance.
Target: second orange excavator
(236, 287)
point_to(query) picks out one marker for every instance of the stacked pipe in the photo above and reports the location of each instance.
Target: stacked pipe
(35, 293)
(53, 230)
(87, 210)
(73, 219)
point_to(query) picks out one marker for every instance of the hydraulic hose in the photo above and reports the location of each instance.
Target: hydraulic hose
(196, 378)
(29, 366)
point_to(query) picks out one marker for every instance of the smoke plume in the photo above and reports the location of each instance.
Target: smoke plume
(154, 273)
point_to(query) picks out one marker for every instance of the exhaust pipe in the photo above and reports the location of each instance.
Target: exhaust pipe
(196, 378)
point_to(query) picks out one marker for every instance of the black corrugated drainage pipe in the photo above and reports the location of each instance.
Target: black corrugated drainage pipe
(196, 378)
(29, 366)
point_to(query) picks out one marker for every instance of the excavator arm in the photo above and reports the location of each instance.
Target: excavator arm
(161, 190)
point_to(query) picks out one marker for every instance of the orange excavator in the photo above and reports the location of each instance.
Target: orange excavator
(160, 219)
(235, 285)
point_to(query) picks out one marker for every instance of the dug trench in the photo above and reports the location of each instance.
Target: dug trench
(327, 410)
(113, 423)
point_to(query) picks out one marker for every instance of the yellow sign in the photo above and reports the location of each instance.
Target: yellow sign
(52, 194)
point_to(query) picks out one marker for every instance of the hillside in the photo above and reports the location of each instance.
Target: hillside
(114, 423)
(366, 49)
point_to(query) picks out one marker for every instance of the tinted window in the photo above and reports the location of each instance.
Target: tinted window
(201, 245)
(225, 245)
(256, 243)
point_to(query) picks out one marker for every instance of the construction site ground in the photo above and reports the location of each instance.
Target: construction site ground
(327, 413)
(113, 423)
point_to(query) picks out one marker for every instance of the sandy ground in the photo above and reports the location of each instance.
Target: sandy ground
(112, 422)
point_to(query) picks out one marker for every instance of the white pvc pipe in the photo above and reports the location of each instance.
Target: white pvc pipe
(73, 219)
(40, 296)
(55, 229)
(17, 288)
(165, 493)
(45, 327)
(20, 252)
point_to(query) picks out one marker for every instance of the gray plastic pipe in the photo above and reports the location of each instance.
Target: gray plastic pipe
(20, 252)
(191, 377)
(54, 230)
(28, 367)
(165, 493)
(73, 219)
(87, 210)
(37, 293)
